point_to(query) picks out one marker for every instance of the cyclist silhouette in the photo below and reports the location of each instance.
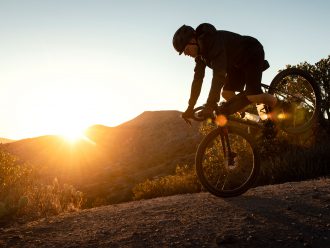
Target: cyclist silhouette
(237, 62)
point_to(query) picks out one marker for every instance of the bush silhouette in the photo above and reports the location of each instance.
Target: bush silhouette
(24, 194)
(184, 181)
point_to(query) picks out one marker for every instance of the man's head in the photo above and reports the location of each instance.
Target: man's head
(191, 49)
(184, 41)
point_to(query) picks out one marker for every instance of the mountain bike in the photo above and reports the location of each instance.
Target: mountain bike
(227, 159)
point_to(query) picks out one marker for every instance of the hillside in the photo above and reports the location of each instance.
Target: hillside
(4, 140)
(115, 158)
(287, 215)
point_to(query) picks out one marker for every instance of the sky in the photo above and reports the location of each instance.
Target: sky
(69, 64)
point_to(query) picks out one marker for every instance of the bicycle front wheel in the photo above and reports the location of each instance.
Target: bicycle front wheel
(301, 97)
(219, 176)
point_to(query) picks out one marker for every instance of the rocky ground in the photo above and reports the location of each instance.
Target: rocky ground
(286, 215)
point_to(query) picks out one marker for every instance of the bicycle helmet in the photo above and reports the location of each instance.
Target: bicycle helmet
(205, 28)
(182, 37)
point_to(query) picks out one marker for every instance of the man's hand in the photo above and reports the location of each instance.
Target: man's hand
(207, 112)
(188, 113)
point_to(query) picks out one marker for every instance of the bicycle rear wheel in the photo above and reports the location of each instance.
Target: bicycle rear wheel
(212, 167)
(301, 99)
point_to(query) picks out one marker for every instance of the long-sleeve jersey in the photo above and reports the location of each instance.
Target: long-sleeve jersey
(219, 50)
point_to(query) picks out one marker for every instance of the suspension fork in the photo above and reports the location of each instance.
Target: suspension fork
(229, 155)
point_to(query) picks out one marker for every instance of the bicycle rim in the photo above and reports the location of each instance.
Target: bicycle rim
(298, 90)
(212, 167)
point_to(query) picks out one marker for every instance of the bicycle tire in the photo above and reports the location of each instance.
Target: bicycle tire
(304, 115)
(205, 172)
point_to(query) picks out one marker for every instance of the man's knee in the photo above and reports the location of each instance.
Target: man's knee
(226, 94)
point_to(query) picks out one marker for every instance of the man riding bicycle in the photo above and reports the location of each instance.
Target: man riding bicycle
(237, 61)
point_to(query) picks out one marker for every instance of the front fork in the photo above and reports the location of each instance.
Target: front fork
(229, 154)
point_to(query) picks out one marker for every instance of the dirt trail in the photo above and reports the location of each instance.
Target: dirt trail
(286, 215)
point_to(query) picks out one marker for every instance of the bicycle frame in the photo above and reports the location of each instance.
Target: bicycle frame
(232, 132)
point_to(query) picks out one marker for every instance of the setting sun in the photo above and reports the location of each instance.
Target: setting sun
(73, 135)
(72, 130)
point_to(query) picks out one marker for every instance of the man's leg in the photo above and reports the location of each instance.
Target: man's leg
(228, 94)
(264, 98)
(235, 83)
(235, 104)
(244, 100)
(252, 75)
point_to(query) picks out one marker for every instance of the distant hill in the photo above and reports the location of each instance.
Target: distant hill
(150, 145)
(4, 140)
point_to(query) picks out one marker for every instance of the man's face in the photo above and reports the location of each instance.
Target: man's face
(191, 49)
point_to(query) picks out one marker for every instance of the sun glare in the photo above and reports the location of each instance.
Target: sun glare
(73, 136)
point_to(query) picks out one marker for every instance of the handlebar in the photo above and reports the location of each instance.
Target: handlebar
(195, 116)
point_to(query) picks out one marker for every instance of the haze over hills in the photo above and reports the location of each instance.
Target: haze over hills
(115, 158)
(4, 140)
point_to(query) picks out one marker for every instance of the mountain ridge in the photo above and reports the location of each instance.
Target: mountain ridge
(150, 145)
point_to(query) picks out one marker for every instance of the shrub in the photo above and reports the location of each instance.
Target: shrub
(184, 181)
(25, 195)
(284, 161)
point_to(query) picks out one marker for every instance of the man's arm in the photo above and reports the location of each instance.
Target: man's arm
(196, 85)
(219, 66)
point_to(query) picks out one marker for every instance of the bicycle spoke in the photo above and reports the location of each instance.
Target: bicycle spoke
(220, 176)
(216, 185)
(224, 183)
(294, 87)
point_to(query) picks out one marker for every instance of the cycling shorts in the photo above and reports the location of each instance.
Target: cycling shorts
(247, 77)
